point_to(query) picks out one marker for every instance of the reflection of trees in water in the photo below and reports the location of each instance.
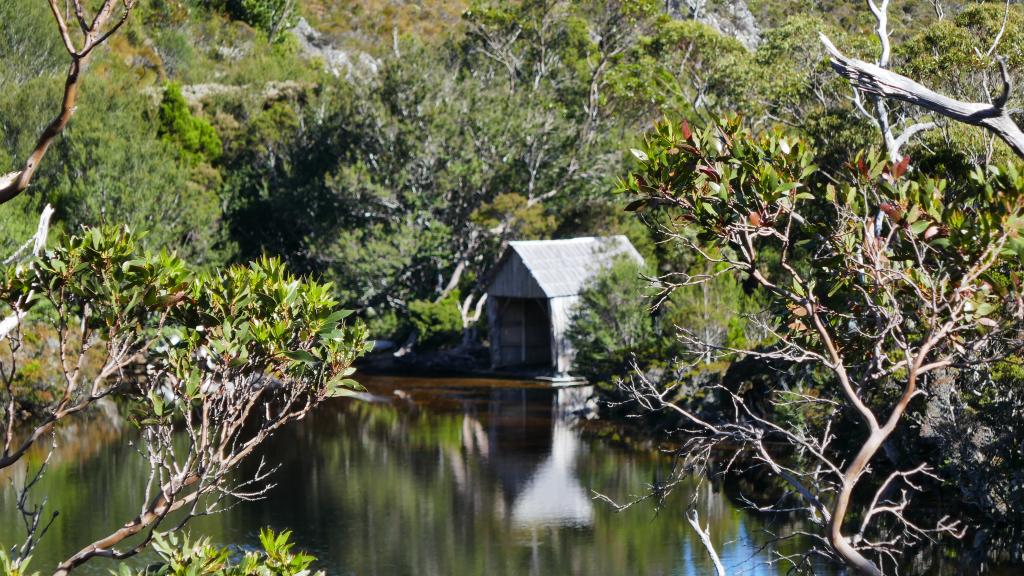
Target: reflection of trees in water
(94, 480)
(453, 481)
(77, 439)
(422, 491)
(419, 492)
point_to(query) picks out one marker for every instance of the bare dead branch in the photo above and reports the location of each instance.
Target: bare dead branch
(1002, 30)
(874, 79)
(705, 539)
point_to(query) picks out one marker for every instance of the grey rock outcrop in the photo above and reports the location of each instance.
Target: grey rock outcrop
(338, 62)
(730, 17)
(734, 18)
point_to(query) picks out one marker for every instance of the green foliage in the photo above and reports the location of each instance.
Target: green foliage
(715, 311)
(177, 54)
(519, 218)
(657, 77)
(724, 177)
(951, 52)
(860, 274)
(370, 25)
(613, 322)
(117, 162)
(505, 124)
(438, 323)
(249, 348)
(196, 138)
(720, 173)
(272, 17)
(32, 58)
(617, 322)
(982, 449)
(408, 175)
(384, 324)
(28, 47)
(689, 70)
(246, 320)
(389, 184)
(21, 216)
(185, 557)
(15, 567)
(850, 14)
(950, 57)
(109, 166)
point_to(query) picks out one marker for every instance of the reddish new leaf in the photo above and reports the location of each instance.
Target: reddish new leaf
(892, 211)
(901, 167)
(711, 173)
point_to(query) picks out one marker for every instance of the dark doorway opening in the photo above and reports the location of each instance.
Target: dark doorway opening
(525, 332)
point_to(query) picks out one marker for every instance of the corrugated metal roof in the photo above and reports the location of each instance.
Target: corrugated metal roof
(562, 267)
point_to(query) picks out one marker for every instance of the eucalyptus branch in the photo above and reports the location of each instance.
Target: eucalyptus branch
(95, 33)
(874, 79)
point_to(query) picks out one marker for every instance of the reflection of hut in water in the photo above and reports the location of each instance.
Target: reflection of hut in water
(518, 427)
(531, 295)
(531, 448)
(554, 495)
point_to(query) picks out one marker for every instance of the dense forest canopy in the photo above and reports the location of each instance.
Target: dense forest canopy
(388, 152)
(395, 151)
(398, 160)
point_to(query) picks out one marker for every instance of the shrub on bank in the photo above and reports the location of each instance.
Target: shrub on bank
(439, 324)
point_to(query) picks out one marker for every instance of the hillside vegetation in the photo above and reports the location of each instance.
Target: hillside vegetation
(443, 133)
(394, 148)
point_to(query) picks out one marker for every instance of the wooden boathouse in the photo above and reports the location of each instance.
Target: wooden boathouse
(532, 294)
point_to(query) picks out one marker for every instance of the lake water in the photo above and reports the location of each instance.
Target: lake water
(423, 477)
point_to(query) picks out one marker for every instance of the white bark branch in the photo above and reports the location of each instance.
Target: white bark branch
(874, 79)
(38, 243)
(912, 131)
(705, 539)
(1002, 30)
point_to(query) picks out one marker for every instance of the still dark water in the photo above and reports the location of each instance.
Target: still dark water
(426, 477)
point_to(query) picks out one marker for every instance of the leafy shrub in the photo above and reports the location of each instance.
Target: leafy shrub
(613, 322)
(246, 350)
(270, 16)
(382, 323)
(714, 310)
(439, 323)
(28, 47)
(894, 300)
(15, 566)
(521, 220)
(201, 558)
(258, 318)
(196, 137)
(177, 51)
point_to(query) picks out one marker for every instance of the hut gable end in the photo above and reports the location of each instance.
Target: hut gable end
(514, 279)
(562, 267)
(533, 292)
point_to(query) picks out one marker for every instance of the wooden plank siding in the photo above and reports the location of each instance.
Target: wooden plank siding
(533, 292)
(562, 352)
(521, 335)
(514, 280)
